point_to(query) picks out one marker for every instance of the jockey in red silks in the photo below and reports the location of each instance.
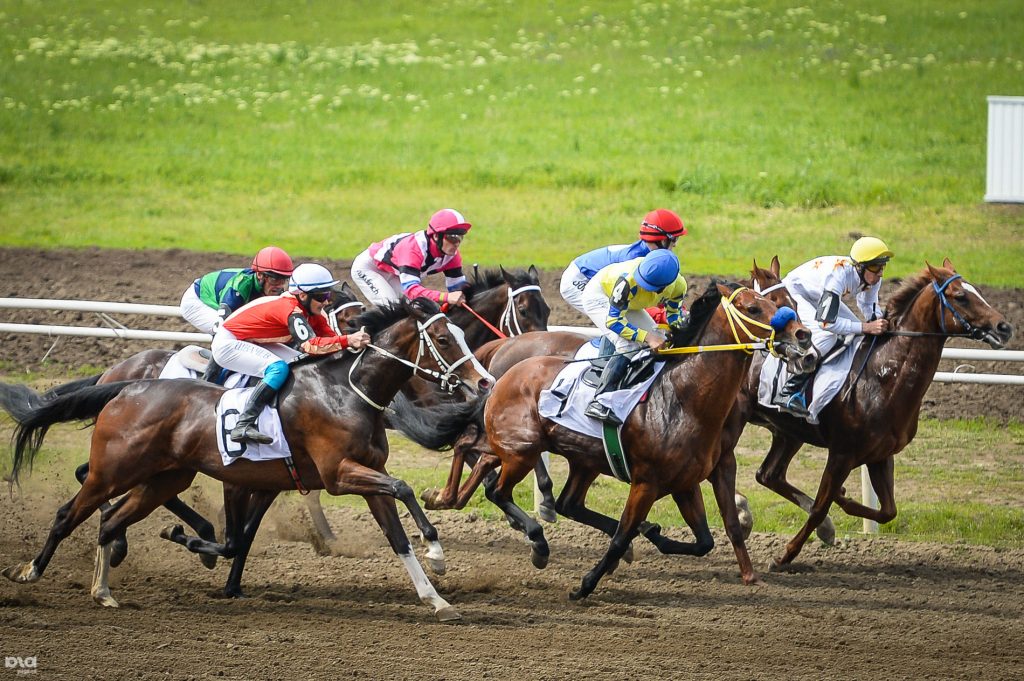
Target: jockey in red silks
(263, 336)
(391, 268)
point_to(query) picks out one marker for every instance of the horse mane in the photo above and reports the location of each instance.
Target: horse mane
(490, 279)
(376, 319)
(701, 312)
(900, 302)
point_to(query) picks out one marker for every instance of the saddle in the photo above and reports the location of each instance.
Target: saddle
(641, 367)
(194, 357)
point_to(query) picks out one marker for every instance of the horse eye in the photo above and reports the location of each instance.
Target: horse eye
(523, 309)
(960, 295)
(444, 341)
(754, 309)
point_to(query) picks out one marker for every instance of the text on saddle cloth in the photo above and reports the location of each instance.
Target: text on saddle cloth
(567, 398)
(828, 380)
(230, 406)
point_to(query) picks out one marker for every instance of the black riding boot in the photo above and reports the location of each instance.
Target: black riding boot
(792, 399)
(610, 378)
(212, 373)
(245, 430)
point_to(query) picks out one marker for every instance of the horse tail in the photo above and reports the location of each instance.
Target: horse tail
(34, 415)
(436, 427)
(71, 387)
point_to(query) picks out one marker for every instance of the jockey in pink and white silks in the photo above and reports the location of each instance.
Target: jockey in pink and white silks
(392, 268)
(818, 287)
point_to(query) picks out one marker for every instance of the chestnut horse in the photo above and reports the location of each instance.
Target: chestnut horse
(875, 414)
(152, 437)
(672, 438)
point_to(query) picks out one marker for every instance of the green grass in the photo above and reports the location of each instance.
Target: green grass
(771, 127)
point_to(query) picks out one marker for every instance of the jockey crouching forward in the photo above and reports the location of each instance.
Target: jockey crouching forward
(253, 340)
(660, 229)
(211, 298)
(391, 268)
(818, 286)
(615, 300)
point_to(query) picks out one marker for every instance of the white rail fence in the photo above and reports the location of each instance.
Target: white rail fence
(115, 329)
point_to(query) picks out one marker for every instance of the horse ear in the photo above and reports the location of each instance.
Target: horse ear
(347, 290)
(776, 268)
(505, 276)
(948, 264)
(723, 290)
(936, 275)
(534, 274)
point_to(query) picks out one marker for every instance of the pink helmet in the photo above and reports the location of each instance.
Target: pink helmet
(448, 220)
(273, 260)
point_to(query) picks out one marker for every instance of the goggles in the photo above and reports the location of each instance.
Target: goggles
(320, 296)
(672, 239)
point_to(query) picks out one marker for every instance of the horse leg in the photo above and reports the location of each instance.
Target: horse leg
(641, 498)
(355, 478)
(723, 482)
(772, 474)
(236, 503)
(323, 536)
(832, 479)
(133, 507)
(513, 469)
(572, 504)
(485, 464)
(385, 512)
(881, 474)
(546, 508)
(258, 502)
(445, 498)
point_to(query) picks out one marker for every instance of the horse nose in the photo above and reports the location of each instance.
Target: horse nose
(1005, 329)
(803, 337)
(484, 384)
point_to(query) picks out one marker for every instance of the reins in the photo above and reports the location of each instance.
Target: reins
(737, 322)
(509, 318)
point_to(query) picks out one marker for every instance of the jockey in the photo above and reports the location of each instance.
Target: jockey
(818, 286)
(660, 229)
(251, 341)
(214, 296)
(391, 268)
(615, 299)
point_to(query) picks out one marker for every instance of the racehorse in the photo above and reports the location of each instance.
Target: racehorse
(672, 438)
(875, 414)
(152, 437)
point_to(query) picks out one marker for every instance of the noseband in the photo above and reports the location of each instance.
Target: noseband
(510, 317)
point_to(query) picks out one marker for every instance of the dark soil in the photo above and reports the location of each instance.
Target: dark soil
(160, 277)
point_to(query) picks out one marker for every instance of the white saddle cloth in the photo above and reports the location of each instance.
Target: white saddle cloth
(568, 396)
(180, 366)
(828, 380)
(231, 404)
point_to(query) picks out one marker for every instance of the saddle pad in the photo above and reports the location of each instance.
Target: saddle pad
(564, 401)
(178, 366)
(231, 404)
(828, 380)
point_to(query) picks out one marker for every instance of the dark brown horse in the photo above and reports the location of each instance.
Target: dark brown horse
(875, 415)
(671, 440)
(152, 437)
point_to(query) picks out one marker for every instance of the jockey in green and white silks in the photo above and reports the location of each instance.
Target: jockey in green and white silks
(211, 298)
(615, 300)
(818, 287)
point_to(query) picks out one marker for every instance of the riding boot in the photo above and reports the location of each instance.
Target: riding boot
(610, 379)
(792, 399)
(245, 430)
(212, 373)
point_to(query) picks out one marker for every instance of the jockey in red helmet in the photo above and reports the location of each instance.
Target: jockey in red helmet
(391, 268)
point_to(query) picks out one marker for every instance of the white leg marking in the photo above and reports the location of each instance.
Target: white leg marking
(100, 576)
(425, 590)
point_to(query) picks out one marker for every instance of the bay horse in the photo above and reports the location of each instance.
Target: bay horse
(151, 438)
(672, 438)
(875, 415)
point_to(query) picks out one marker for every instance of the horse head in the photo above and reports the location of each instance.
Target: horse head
(511, 302)
(940, 300)
(752, 317)
(442, 344)
(526, 309)
(768, 282)
(343, 306)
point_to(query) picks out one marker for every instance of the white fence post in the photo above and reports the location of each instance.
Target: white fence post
(1004, 177)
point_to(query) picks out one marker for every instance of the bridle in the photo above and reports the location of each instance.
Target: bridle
(969, 330)
(510, 317)
(446, 377)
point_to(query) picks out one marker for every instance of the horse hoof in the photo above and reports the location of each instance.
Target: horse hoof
(429, 498)
(578, 595)
(105, 599)
(746, 518)
(826, 532)
(447, 614)
(627, 555)
(547, 514)
(118, 551)
(25, 573)
(436, 566)
(174, 533)
(209, 562)
(539, 560)
(233, 592)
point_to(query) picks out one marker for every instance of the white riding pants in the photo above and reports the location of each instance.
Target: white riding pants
(572, 285)
(196, 312)
(379, 287)
(248, 358)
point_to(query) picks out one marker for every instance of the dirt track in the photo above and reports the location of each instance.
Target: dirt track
(866, 609)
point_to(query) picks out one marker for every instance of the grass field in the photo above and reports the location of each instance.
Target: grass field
(771, 127)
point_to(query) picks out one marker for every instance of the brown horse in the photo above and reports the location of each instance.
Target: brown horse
(152, 437)
(875, 415)
(671, 439)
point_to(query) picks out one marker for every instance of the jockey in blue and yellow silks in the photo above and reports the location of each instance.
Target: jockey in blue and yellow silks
(615, 300)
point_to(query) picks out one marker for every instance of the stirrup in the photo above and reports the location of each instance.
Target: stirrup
(795, 405)
(249, 433)
(596, 410)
